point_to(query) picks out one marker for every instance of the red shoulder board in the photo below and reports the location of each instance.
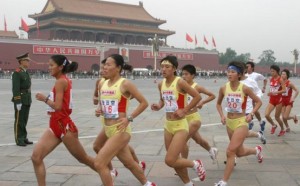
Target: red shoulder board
(18, 70)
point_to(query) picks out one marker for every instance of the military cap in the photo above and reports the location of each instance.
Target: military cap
(23, 57)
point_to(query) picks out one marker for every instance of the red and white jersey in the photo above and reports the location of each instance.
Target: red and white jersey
(288, 91)
(67, 105)
(275, 86)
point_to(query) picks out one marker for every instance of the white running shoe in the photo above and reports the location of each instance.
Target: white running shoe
(199, 169)
(259, 154)
(213, 152)
(221, 183)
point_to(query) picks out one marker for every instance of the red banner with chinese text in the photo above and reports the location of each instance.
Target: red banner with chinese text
(160, 55)
(79, 51)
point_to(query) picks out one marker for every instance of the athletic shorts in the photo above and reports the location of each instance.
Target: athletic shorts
(193, 117)
(177, 125)
(59, 127)
(286, 102)
(112, 130)
(275, 100)
(236, 123)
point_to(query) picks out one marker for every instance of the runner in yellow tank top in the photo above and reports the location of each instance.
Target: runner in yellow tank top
(101, 137)
(173, 91)
(193, 117)
(235, 94)
(115, 93)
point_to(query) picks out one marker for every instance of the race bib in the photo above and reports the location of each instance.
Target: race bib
(110, 108)
(170, 103)
(234, 104)
(286, 93)
(51, 97)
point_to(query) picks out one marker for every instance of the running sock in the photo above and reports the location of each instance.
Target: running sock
(196, 164)
(148, 183)
(189, 184)
(259, 135)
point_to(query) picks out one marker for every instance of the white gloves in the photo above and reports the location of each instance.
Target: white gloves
(19, 106)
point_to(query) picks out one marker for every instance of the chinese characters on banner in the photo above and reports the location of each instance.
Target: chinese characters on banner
(160, 55)
(43, 49)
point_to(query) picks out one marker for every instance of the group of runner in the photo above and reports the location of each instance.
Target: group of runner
(180, 98)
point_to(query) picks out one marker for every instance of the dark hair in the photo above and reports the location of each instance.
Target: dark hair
(173, 60)
(275, 67)
(103, 61)
(190, 68)
(245, 67)
(251, 64)
(119, 61)
(287, 73)
(68, 66)
(239, 65)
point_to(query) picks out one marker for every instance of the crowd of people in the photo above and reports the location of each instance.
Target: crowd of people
(181, 98)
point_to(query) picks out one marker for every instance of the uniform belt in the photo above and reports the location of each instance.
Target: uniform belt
(25, 90)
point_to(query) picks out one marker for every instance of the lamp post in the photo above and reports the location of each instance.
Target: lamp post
(155, 48)
(295, 53)
(101, 55)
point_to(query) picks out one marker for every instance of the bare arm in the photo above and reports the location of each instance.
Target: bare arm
(136, 94)
(295, 89)
(60, 87)
(219, 104)
(160, 104)
(96, 93)
(210, 95)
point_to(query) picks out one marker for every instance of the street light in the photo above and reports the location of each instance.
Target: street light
(155, 48)
(101, 55)
(295, 53)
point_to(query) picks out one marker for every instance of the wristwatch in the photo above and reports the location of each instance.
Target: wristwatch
(129, 118)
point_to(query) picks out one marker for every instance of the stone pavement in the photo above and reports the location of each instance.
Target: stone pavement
(281, 164)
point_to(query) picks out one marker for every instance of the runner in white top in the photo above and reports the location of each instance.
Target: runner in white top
(257, 77)
(249, 82)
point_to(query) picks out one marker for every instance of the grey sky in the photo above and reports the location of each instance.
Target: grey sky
(244, 25)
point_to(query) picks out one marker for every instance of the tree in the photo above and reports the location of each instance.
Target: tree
(228, 56)
(231, 55)
(267, 58)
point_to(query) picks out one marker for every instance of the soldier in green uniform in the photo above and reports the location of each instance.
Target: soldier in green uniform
(21, 83)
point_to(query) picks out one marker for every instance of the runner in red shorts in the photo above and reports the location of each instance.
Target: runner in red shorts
(62, 128)
(277, 87)
(288, 99)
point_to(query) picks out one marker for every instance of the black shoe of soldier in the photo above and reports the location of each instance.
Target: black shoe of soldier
(28, 142)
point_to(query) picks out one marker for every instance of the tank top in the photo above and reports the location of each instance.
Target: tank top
(189, 98)
(67, 105)
(173, 99)
(275, 86)
(112, 100)
(235, 100)
(288, 92)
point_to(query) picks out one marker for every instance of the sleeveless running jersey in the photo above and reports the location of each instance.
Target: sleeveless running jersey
(288, 91)
(67, 105)
(112, 100)
(235, 100)
(275, 86)
(189, 98)
(173, 99)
